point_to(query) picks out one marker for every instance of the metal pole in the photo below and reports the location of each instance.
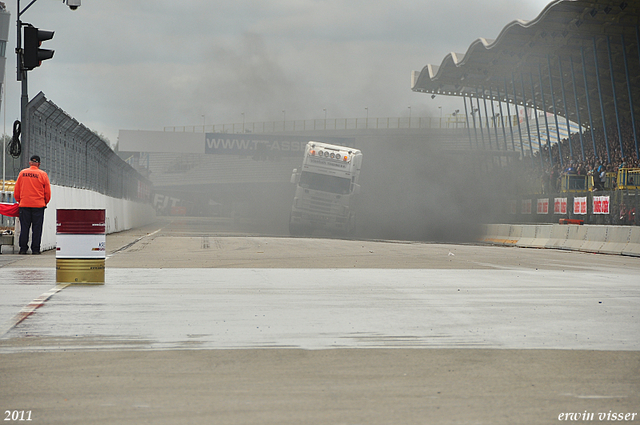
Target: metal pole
(4, 141)
(506, 93)
(615, 97)
(504, 131)
(586, 90)
(546, 121)
(515, 102)
(604, 124)
(633, 120)
(526, 114)
(535, 111)
(480, 118)
(555, 112)
(475, 128)
(493, 117)
(24, 99)
(18, 45)
(575, 94)
(566, 112)
(486, 117)
(466, 115)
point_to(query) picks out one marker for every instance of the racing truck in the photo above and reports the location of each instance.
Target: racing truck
(325, 189)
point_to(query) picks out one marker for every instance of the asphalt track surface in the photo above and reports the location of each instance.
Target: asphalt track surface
(203, 322)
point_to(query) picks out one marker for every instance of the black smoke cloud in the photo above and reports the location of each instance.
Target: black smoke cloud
(412, 190)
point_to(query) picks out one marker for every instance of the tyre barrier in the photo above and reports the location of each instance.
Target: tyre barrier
(618, 240)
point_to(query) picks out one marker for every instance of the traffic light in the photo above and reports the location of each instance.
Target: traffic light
(33, 55)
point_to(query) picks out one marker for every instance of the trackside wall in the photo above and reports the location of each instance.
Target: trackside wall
(122, 214)
(620, 240)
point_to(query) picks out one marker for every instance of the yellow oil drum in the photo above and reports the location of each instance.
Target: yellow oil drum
(80, 246)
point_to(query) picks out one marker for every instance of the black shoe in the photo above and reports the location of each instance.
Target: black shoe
(22, 252)
(35, 253)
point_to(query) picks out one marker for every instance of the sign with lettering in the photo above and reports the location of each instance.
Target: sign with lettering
(580, 205)
(269, 145)
(543, 206)
(601, 204)
(560, 206)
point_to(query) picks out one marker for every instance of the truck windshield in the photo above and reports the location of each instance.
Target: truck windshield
(325, 183)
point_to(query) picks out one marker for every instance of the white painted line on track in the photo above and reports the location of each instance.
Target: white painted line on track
(30, 308)
(122, 248)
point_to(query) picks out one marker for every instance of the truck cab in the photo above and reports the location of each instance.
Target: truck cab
(326, 186)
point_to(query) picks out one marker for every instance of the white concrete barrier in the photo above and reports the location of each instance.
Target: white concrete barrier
(595, 239)
(558, 237)
(576, 237)
(543, 235)
(633, 246)
(620, 240)
(122, 214)
(528, 236)
(515, 232)
(498, 234)
(617, 240)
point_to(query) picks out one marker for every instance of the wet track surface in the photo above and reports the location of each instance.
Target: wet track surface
(339, 308)
(462, 296)
(200, 322)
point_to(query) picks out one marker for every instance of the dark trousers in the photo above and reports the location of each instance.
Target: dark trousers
(31, 218)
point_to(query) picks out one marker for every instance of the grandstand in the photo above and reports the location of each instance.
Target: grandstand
(577, 66)
(577, 61)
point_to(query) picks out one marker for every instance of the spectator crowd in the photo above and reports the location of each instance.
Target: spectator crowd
(594, 162)
(542, 174)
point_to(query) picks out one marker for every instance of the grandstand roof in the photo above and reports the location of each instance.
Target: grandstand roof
(543, 52)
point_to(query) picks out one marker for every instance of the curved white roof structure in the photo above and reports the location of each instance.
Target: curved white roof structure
(554, 59)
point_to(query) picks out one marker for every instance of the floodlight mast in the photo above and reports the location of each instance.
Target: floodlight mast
(22, 75)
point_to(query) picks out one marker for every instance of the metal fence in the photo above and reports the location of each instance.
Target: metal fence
(449, 121)
(74, 156)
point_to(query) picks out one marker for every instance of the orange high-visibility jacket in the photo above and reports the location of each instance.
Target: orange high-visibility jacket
(32, 188)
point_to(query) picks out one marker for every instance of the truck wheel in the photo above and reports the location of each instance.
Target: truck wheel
(294, 229)
(351, 231)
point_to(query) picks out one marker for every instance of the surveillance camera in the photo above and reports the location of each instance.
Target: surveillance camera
(73, 4)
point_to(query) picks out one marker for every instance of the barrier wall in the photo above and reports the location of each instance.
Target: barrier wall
(620, 240)
(121, 214)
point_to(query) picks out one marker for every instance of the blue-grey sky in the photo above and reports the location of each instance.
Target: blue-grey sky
(147, 64)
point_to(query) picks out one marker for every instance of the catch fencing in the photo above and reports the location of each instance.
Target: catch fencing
(74, 156)
(450, 121)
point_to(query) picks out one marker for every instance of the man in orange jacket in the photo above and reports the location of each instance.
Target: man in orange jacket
(32, 192)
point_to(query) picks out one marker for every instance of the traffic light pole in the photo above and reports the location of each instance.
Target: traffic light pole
(30, 56)
(24, 99)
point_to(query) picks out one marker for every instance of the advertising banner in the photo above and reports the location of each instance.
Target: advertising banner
(580, 205)
(560, 206)
(543, 206)
(267, 145)
(601, 204)
(512, 207)
(526, 206)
